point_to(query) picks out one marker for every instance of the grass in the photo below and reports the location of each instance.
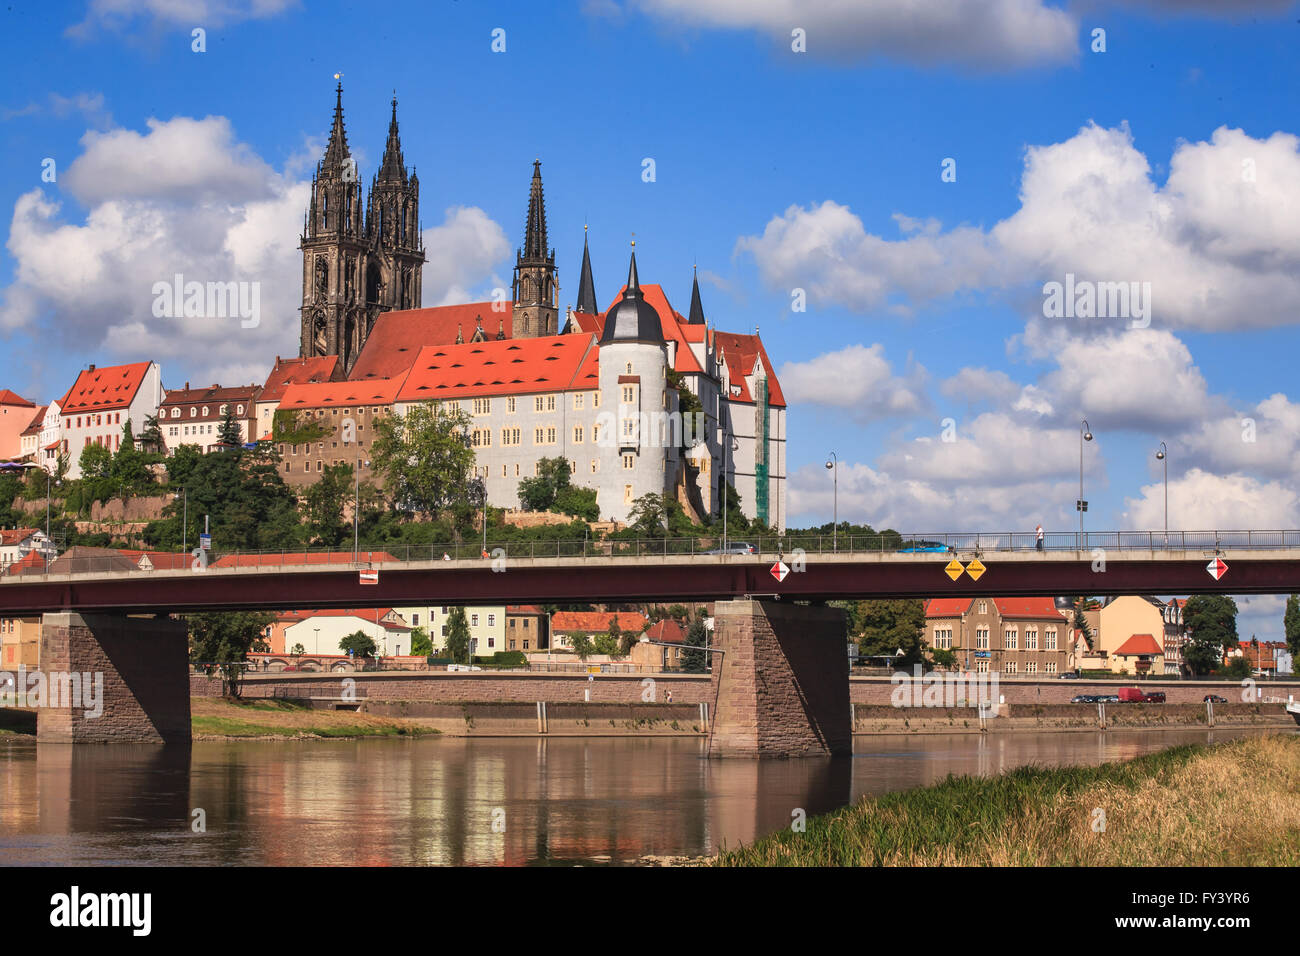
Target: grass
(1231, 804)
(220, 717)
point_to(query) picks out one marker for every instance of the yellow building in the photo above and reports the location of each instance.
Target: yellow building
(20, 642)
(1124, 623)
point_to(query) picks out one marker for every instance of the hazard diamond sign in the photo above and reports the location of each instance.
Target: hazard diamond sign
(975, 569)
(1217, 568)
(954, 569)
(780, 570)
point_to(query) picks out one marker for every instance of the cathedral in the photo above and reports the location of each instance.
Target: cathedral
(601, 389)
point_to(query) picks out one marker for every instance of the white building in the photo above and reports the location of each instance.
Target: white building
(487, 626)
(102, 401)
(319, 632)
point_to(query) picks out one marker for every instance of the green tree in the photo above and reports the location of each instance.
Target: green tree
(130, 466)
(228, 432)
(1211, 622)
(1291, 625)
(606, 644)
(577, 501)
(1238, 668)
(359, 644)
(224, 638)
(151, 439)
(96, 461)
(943, 657)
(323, 504)
(886, 627)
(425, 457)
(298, 650)
(538, 492)
(694, 660)
(583, 645)
(458, 636)
(421, 644)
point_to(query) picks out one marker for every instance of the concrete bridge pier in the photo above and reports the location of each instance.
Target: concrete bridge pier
(114, 679)
(781, 685)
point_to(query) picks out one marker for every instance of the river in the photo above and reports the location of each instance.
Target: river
(483, 801)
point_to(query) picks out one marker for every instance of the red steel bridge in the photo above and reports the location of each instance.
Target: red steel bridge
(819, 568)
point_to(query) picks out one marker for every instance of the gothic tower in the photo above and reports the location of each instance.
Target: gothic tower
(333, 252)
(535, 313)
(393, 230)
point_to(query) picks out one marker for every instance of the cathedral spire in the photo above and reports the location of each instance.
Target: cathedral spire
(336, 152)
(697, 309)
(535, 230)
(392, 169)
(586, 287)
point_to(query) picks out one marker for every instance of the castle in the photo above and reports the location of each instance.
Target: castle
(600, 389)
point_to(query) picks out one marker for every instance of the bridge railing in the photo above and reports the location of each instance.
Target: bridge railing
(935, 545)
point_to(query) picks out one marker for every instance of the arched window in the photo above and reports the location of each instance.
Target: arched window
(324, 209)
(194, 412)
(176, 413)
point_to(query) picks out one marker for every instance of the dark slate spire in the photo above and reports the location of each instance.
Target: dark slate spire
(336, 152)
(697, 310)
(393, 169)
(586, 287)
(632, 318)
(535, 230)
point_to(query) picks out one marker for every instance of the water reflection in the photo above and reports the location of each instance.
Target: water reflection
(467, 801)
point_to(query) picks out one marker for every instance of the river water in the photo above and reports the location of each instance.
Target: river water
(482, 801)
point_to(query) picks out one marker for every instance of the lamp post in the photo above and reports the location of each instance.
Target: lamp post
(356, 509)
(1163, 456)
(1081, 506)
(726, 446)
(833, 466)
(185, 518)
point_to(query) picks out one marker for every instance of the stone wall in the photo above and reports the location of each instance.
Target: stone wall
(143, 663)
(782, 681)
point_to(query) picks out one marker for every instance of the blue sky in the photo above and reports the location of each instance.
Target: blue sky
(774, 170)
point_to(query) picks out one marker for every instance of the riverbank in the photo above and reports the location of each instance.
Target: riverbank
(1230, 804)
(226, 719)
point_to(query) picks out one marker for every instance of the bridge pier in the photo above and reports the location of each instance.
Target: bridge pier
(781, 685)
(140, 672)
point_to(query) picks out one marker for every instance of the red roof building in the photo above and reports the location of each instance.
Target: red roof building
(15, 417)
(193, 416)
(100, 403)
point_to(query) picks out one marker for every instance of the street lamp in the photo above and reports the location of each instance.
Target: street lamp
(1081, 506)
(1163, 456)
(833, 466)
(356, 509)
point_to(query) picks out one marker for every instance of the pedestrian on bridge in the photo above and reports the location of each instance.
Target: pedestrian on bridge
(1038, 537)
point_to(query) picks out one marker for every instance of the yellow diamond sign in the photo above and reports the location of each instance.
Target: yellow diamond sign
(974, 569)
(954, 569)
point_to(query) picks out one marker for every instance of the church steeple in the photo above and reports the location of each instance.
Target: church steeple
(586, 287)
(535, 310)
(697, 310)
(392, 169)
(336, 151)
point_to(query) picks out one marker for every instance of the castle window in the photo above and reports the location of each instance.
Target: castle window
(627, 494)
(510, 405)
(176, 413)
(628, 462)
(194, 412)
(628, 395)
(595, 399)
(595, 465)
(578, 401)
(629, 368)
(577, 434)
(550, 436)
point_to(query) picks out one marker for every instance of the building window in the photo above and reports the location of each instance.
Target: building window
(1009, 667)
(595, 399)
(629, 368)
(415, 620)
(984, 608)
(1051, 667)
(627, 494)
(482, 406)
(578, 401)
(629, 395)
(982, 639)
(1031, 639)
(1009, 642)
(595, 465)
(473, 620)
(492, 642)
(550, 436)
(539, 435)
(1050, 640)
(577, 434)
(492, 620)
(510, 405)
(629, 461)
(1031, 667)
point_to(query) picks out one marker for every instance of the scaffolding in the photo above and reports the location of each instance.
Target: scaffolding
(760, 450)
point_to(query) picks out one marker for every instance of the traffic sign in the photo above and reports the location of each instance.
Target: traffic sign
(780, 570)
(205, 542)
(1217, 568)
(975, 569)
(954, 569)
(369, 577)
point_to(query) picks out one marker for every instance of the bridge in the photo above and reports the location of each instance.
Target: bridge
(780, 674)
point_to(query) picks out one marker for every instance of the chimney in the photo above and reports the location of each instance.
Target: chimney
(91, 369)
(187, 386)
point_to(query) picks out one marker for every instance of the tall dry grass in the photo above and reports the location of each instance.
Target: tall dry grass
(1231, 804)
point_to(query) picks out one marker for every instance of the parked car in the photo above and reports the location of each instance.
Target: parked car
(1153, 697)
(1131, 695)
(1214, 699)
(1108, 698)
(734, 547)
(1069, 675)
(1084, 699)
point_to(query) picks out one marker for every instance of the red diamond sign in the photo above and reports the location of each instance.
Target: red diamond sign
(369, 577)
(1217, 568)
(780, 570)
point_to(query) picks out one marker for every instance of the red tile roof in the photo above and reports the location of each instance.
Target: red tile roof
(290, 618)
(111, 387)
(523, 609)
(741, 351)
(31, 563)
(213, 395)
(38, 421)
(666, 630)
(13, 398)
(671, 322)
(13, 536)
(396, 340)
(1138, 644)
(1035, 608)
(270, 560)
(506, 367)
(381, 391)
(299, 371)
(594, 622)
